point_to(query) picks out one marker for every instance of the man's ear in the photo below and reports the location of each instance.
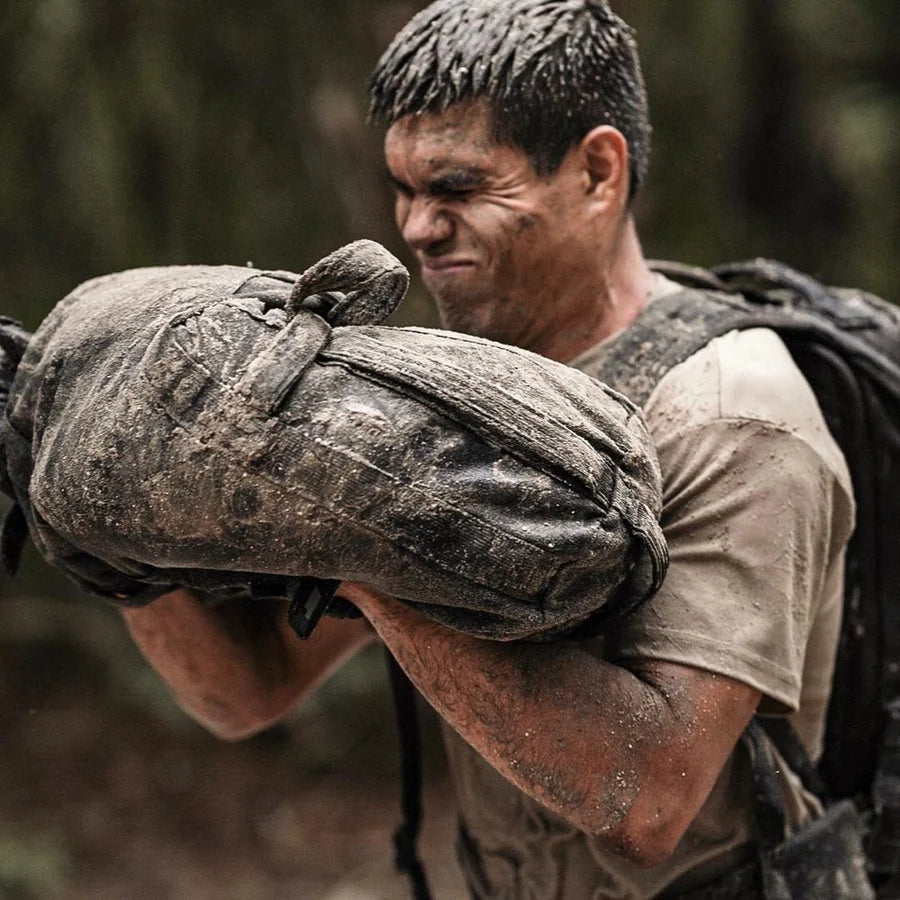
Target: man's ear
(605, 155)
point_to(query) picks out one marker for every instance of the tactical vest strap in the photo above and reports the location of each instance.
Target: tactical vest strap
(406, 855)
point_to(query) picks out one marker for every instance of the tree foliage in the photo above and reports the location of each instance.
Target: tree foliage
(147, 133)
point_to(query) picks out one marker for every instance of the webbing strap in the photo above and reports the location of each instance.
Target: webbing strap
(13, 535)
(406, 857)
(786, 740)
(768, 812)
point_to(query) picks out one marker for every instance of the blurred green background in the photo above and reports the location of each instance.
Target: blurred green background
(137, 133)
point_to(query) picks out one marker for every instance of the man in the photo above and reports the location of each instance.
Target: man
(517, 138)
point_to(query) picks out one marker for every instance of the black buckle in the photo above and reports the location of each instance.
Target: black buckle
(309, 600)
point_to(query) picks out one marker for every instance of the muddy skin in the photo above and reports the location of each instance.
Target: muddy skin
(522, 708)
(483, 249)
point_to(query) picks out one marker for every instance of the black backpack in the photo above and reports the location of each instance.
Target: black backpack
(847, 344)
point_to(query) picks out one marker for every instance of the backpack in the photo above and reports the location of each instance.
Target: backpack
(847, 345)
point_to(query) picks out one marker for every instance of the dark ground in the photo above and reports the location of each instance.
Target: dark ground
(108, 791)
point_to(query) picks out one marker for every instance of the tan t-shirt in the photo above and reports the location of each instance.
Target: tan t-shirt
(757, 512)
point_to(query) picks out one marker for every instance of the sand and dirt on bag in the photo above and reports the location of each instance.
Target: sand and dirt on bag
(222, 427)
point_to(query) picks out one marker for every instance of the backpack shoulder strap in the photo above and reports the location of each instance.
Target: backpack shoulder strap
(666, 333)
(757, 294)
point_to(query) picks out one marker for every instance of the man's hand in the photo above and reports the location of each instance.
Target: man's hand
(626, 754)
(237, 668)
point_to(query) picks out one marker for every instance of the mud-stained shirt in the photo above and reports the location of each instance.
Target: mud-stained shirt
(757, 512)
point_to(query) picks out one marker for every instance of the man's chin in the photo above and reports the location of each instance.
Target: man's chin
(464, 306)
(456, 282)
(471, 319)
(462, 318)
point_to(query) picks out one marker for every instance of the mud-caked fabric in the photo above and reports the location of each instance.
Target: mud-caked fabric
(825, 860)
(14, 340)
(757, 512)
(204, 426)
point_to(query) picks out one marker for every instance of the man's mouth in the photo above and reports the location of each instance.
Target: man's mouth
(444, 264)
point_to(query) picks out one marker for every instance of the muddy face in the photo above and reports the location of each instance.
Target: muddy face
(505, 252)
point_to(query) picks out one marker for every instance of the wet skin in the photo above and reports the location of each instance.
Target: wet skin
(507, 254)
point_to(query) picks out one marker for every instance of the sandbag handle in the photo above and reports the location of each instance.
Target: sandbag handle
(360, 284)
(374, 282)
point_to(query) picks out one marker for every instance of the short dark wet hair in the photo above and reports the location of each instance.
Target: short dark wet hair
(551, 70)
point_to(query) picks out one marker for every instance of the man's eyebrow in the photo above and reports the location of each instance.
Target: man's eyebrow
(454, 182)
(399, 185)
(459, 180)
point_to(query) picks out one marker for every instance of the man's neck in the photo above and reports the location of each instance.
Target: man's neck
(628, 283)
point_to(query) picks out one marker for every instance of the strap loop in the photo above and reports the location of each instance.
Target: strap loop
(270, 377)
(374, 280)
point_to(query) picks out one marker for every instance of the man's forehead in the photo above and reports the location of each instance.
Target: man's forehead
(459, 137)
(468, 123)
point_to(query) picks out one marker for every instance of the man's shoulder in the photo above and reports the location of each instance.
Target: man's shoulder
(747, 378)
(741, 375)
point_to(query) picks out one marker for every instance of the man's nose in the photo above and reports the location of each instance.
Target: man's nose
(426, 224)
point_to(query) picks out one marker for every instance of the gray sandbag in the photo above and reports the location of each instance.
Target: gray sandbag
(214, 426)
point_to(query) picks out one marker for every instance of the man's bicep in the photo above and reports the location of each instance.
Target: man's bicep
(721, 705)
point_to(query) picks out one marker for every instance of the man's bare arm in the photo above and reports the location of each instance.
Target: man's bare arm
(237, 668)
(629, 755)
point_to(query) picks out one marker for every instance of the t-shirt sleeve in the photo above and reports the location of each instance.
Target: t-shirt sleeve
(756, 513)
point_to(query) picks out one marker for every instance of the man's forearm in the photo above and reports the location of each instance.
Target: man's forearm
(596, 743)
(521, 706)
(236, 670)
(214, 675)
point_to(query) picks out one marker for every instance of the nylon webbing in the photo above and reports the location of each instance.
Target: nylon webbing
(787, 742)
(13, 535)
(406, 857)
(768, 812)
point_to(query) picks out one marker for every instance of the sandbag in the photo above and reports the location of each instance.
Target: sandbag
(211, 426)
